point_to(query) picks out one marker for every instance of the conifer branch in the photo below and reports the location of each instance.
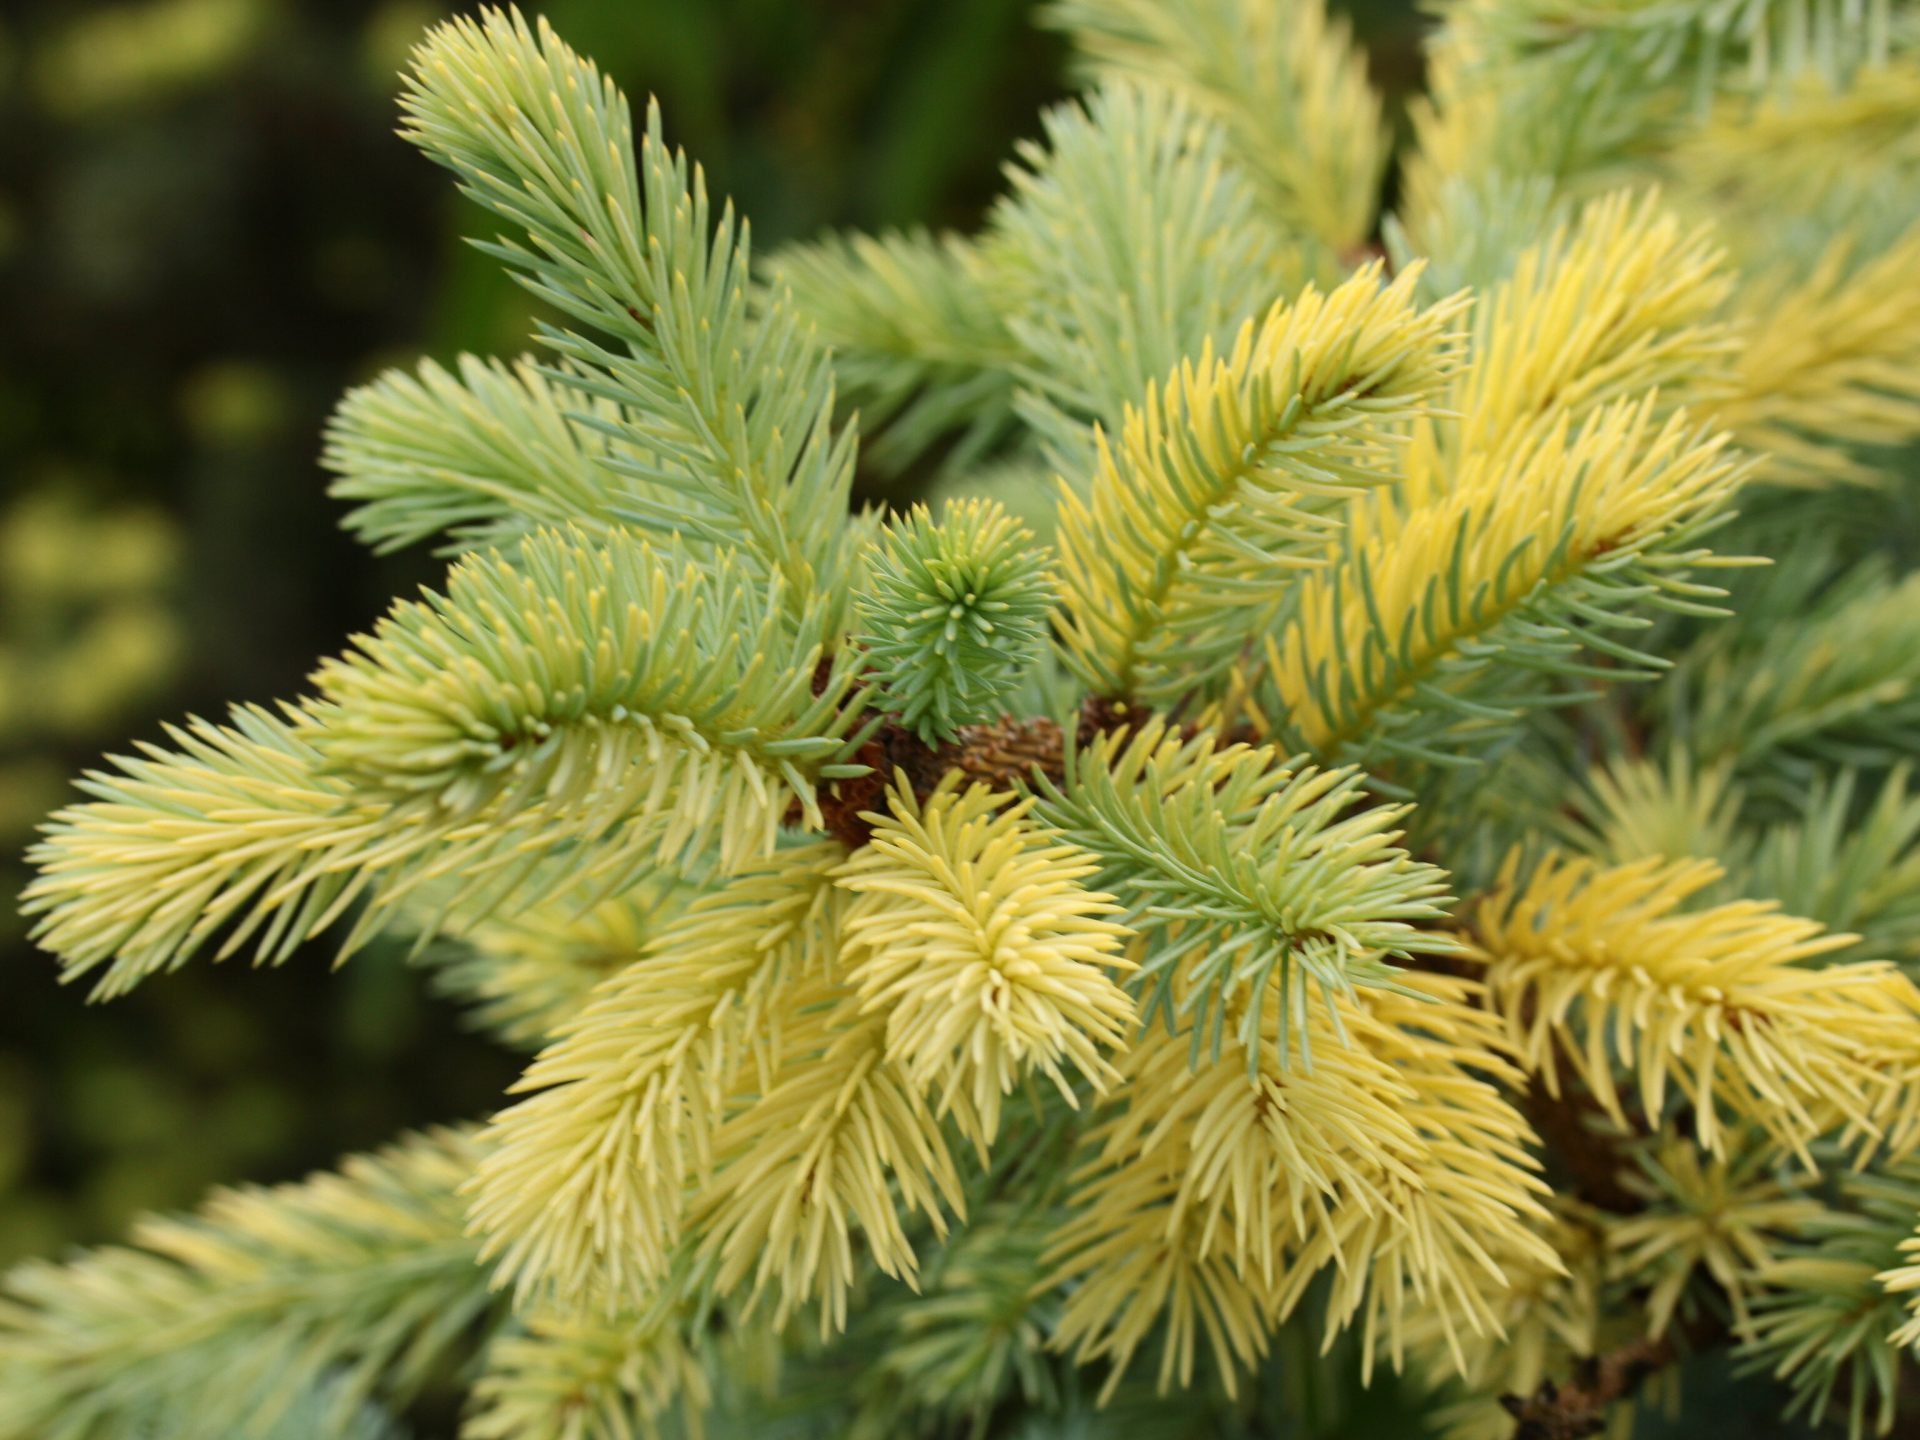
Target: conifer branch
(616, 683)
(1829, 363)
(837, 1142)
(242, 828)
(1850, 863)
(485, 456)
(836, 919)
(1232, 478)
(1705, 1221)
(1216, 1195)
(1621, 302)
(613, 704)
(358, 1283)
(1556, 41)
(523, 977)
(1842, 161)
(952, 613)
(1251, 885)
(1712, 1002)
(582, 1191)
(1286, 81)
(920, 345)
(727, 414)
(1840, 687)
(1444, 621)
(1124, 245)
(986, 982)
(1824, 1322)
(1560, 90)
(559, 1376)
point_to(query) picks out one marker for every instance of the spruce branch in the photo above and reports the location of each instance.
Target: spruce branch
(920, 345)
(581, 1194)
(1145, 1268)
(1758, 45)
(1850, 862)
(1843, 162)
(972, 1340)
(242, 828)
(617, 684)
(1232, 478)
(951, 613)
(485, 456)
(560, 1376)
(1718, 1003)
(1285, 80)
(354, 1284)
(1824, 1321)
(1634, 805)
(1705, 1221)
(1124, 245)
(1210, 1198)
(1621, 301)
(1446, 620)
(836, 919)
(1841, 687)
(1252, 885)
(1563, 91)
(724, 410)
(522, 977)
(612, 704)
(836, 1145)
(1829, 364)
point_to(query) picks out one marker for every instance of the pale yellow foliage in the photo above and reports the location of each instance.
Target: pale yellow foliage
(1556, 475)
(1233, 475)
(526, 975)
(1641, 807)
(581, 1190)
(819, 1156)
(1771, 163)
(1550, 1315)
(1831, 357)
(1219, 1192)
(1901, 1280)
(1620, 302)
(969, 934)
(1142, 1266)
(1596, 967)
(562, 1375)
(1395, 625)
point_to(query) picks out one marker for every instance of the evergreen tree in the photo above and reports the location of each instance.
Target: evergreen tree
(1216, 890)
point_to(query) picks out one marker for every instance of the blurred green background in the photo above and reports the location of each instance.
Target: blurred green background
(207, 231)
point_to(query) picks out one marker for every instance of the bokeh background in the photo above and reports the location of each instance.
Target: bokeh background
(208, 230)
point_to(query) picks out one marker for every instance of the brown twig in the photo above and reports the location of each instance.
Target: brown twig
(998, 754)
(1590, 1156)
(1579, 1407)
